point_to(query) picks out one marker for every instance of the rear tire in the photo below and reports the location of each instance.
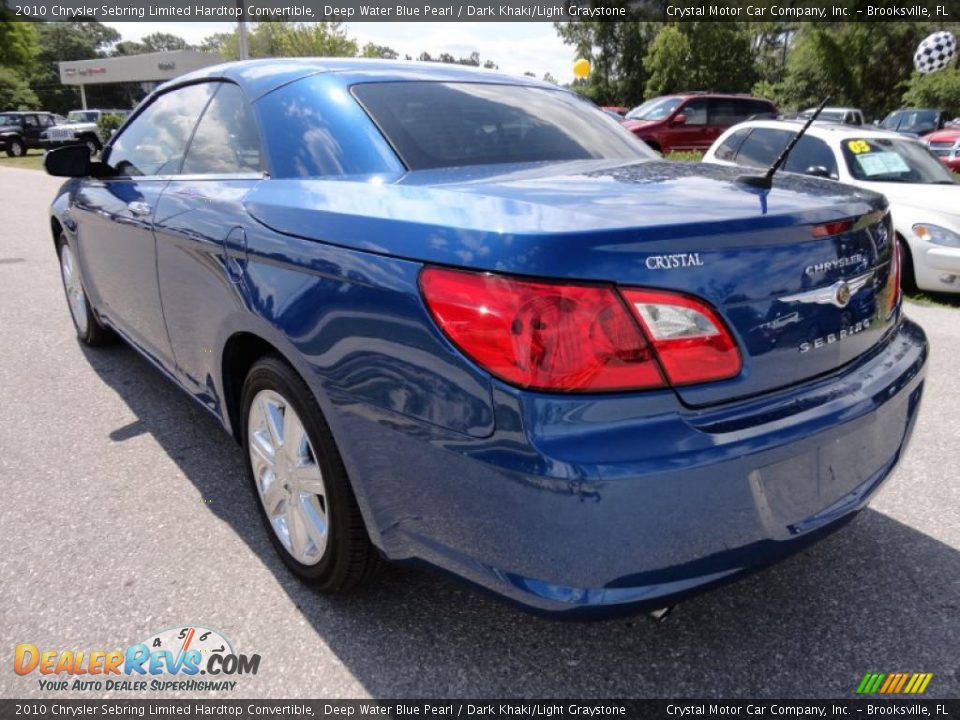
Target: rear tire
(306, 501)
(16, 148)
(89, 329)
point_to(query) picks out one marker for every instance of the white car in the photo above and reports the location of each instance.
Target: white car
(843, 115)
(924, 195)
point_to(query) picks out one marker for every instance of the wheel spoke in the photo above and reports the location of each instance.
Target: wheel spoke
(261, 448)
(273, 497)
(273, 420)
(316, 523)
(309, 479)
(297, 526)
(294, 436)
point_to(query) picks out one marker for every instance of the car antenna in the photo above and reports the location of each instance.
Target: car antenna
(765, 181)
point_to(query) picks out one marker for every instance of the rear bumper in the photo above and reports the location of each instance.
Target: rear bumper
(585, 505)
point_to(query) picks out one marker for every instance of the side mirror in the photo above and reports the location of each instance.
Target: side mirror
(876, 123)
(69, 161)
(680, 119)
(818, 171)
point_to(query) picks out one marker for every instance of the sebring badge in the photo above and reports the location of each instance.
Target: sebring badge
(831, 338)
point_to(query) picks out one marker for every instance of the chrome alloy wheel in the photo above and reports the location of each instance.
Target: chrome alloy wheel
(289, 480)
(74, 287)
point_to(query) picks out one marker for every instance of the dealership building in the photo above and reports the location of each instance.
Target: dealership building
(149, 69)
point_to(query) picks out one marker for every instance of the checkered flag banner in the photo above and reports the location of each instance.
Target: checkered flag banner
(935, 52)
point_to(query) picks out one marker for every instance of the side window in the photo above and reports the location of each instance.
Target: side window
(45, 120)
(725, 112)
(729, 147)
(226, 139)
(696, 112)
(30, 121)
(811, 152)
(763, 147)
(155, 142)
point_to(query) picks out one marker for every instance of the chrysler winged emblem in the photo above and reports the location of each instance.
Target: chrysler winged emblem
(839, 294)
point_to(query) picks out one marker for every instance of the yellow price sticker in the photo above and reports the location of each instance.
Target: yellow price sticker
(858, 146)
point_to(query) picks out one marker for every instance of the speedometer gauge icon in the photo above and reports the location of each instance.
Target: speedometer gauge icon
(180, 640)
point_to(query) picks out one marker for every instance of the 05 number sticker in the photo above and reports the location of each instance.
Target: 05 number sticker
(859, 146)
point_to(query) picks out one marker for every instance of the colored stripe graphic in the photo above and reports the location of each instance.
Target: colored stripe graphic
(894, 683)
(903, 681)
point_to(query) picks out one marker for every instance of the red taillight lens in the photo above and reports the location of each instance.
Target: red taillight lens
(830, 229)
(893, 290)
(541, 335)
(578, 337)
(692, 343)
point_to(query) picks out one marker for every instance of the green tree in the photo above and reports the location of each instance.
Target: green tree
(61, 41)
(217, 42)
(129, 47)
(370, 50)
(939, 90)
(18, 42)
(163, 42)
(15, 92)
(667, 62)
(286, 39)
(616, 51)
(715, 56)
(865, 65)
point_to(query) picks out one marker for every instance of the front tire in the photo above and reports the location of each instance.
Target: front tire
(306, 501)
(908, 278)
(89, 329)
(16, 148)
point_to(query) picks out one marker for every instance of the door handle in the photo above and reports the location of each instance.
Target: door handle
(139, 208)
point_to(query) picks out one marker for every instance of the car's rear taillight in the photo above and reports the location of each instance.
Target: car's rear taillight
(574, 337)
(542, 335)
(893, 291)
(691, 342)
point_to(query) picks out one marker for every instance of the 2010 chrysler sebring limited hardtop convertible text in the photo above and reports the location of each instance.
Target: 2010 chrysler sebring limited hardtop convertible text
(468, 319)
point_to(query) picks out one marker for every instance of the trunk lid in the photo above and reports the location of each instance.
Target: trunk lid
(799, 305)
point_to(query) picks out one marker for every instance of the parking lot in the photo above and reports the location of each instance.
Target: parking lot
(126, 512)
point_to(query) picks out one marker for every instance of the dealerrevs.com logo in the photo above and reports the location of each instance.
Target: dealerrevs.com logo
(171, 660)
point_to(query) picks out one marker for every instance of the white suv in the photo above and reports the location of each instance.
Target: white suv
(81, 127)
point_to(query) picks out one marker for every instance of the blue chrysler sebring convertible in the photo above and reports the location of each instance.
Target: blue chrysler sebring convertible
(469, 320)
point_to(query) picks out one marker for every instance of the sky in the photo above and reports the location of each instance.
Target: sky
(516, 47)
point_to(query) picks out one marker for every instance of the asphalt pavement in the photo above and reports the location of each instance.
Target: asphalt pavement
(125, 511)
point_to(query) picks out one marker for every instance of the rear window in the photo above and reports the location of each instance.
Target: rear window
(728, 148)
(438, 124)
(763, 146)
